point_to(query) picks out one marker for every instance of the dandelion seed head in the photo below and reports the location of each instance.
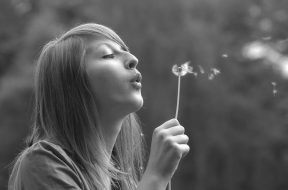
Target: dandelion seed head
(175, 70)
(183, 69)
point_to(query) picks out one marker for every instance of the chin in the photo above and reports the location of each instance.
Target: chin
(137, 104)
(129, 104)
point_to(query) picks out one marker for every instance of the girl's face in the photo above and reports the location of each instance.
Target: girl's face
(112, 73)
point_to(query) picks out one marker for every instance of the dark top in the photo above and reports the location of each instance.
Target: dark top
(46, 166)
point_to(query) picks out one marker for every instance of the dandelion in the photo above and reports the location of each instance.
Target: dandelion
(181, 71)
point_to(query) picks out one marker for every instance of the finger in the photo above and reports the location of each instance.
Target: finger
(176, 130)
(184, 149)
(170, 123)
(180, 139)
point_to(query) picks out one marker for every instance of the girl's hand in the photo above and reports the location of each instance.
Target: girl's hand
(169, 145)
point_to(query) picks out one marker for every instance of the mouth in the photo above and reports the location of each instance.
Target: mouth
(136, 81)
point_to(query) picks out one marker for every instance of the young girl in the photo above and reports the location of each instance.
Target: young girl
(85, 134)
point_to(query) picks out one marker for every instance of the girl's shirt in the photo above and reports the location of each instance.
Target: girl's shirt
(46, 166)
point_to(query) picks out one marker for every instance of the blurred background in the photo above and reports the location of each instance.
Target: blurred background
(234, 110)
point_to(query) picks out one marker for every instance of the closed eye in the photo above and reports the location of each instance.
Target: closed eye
(108, 56)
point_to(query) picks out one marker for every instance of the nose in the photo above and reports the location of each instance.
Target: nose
(131, 62)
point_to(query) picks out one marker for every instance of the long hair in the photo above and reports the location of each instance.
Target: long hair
(65, 110)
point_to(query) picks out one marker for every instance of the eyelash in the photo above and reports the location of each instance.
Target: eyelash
(108, 56)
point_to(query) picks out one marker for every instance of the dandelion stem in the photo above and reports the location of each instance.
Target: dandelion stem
(178, 96)
(176, 114)
(169, 185)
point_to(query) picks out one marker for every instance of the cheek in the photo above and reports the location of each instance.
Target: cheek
(98, 74)
(100, 82)
(106, 83)
(97, 78)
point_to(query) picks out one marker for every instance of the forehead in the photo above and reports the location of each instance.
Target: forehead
(96, 44)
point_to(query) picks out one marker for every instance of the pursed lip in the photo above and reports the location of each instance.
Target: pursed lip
(136, 80)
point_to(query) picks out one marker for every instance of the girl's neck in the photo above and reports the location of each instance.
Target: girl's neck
(110, 130)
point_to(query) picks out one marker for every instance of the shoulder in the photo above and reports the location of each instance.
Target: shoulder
(46, 155)
(47, 151)
(45, 165)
